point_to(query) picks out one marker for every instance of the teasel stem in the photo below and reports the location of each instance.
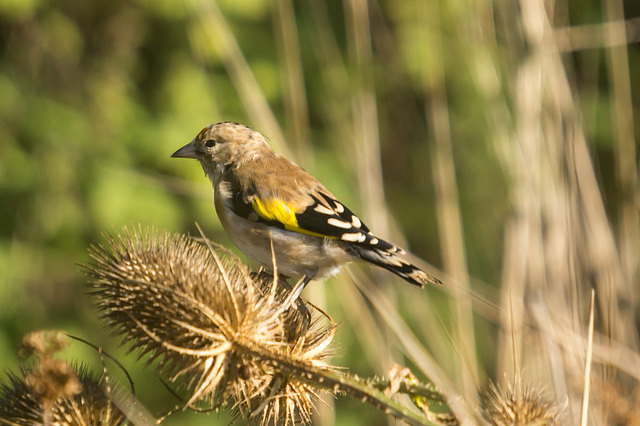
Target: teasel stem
(365, 390)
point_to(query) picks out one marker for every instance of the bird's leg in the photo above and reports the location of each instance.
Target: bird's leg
(294, 301)
(297, 289)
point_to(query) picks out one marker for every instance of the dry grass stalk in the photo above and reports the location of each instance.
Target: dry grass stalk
(560, 242)
(220, 42)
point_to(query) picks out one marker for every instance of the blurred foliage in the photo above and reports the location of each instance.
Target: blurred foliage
(95, 96)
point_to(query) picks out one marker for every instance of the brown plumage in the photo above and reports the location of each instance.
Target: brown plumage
(262, 198)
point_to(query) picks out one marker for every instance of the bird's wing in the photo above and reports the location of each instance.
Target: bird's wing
(321, 215)
(329, 217)
(294, 200)
(317, 212)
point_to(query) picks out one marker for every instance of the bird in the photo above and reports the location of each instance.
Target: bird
(271, 207)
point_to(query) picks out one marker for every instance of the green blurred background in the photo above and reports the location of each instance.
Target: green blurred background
(96, 95)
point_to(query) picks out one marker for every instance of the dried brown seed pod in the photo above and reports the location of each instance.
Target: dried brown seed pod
(222, 334)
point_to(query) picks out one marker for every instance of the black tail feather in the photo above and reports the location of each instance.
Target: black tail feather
(396, 264)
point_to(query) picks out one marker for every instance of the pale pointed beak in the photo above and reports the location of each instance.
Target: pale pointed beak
(187, 151)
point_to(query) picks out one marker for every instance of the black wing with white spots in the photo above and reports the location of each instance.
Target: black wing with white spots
(327, 216)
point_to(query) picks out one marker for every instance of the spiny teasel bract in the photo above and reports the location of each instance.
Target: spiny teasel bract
(225, 336)
(520, 405)
(26, 398)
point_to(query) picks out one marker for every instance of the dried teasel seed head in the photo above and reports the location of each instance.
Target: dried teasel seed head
(52, 380)
(220, 333)
(520, 405)
(80, 399)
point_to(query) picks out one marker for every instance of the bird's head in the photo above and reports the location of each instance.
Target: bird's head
(220, 145)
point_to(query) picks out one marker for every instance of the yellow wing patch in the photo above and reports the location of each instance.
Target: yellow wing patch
(272, 209)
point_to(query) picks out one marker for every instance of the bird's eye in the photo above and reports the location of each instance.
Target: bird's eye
(210, 143)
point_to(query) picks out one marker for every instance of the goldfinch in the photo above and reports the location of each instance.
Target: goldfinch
(264, 200)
